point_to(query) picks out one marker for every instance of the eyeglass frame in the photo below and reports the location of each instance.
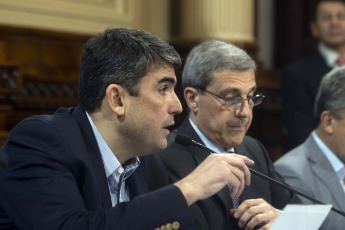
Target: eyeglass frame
(239, 103)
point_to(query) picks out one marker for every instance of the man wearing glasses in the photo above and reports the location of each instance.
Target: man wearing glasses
(220, 91)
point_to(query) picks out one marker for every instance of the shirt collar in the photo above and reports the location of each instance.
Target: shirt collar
(209, 144)
(337, 165)
(328, 54)
(110, 162)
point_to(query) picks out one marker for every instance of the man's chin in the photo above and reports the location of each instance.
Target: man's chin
(335, 43)
(162, 145)
(235, 141)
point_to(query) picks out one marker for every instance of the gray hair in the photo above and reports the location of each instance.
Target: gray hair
(331, 94)
(211, 56)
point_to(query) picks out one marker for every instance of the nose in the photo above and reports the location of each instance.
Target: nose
(243, 110)
(176, 106)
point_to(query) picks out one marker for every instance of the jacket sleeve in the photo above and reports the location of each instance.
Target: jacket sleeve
(43, 188)
(298, 103)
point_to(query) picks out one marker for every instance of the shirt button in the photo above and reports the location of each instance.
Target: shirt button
(120, 170)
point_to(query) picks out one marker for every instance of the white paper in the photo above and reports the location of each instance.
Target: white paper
(301, 217)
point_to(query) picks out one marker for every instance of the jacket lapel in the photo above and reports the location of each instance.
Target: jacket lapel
(95, 155)
(321, 168)
(199, 155)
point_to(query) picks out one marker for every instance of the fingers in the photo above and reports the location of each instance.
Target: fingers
(236, 181)
(238, 173)
(215, 172)
(246, 160)
(254, 213)
(240, 162)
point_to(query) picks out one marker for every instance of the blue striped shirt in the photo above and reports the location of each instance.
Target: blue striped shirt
(113, 169)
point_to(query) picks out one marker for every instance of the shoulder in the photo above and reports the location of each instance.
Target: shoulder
(49, 133)
(294, 160)
(251, 145)
(306, 61)
(254, 149)
(307, 66)
(175, 154)
(61, 115)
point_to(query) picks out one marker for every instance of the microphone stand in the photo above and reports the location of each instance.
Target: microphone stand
(185, 140)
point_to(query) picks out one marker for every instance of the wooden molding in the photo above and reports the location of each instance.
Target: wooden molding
(84, 17)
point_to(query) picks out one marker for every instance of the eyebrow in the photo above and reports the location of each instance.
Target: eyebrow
(167, 79)
(236, 90)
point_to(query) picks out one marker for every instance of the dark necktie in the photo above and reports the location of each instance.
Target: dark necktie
(235, 199)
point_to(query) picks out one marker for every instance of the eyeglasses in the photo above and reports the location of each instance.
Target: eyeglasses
(238, 101)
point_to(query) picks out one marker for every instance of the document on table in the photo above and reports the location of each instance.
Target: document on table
(298, 217)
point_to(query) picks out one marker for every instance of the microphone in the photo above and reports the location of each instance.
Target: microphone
(186, 141)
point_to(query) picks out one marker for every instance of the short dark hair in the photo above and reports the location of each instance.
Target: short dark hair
(331, 94)
(120, 56)
(316, 4)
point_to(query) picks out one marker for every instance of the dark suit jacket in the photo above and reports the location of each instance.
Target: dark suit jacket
(299, 86)
(213, 213)
(55, 179)
(307, 169)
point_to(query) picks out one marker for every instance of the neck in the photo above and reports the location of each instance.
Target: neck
(340, 49)
(328, 140)
(107, 129)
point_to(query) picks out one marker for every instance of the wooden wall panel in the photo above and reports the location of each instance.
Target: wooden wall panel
(47, 65)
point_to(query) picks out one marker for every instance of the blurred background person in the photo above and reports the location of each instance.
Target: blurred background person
(316, 167)
(300, 80)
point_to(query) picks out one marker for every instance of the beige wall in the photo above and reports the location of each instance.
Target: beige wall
(86, 16)
(220, 19)
(230, 20)
(76, 16)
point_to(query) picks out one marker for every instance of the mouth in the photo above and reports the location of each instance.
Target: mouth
(238, 127)
(169, 124)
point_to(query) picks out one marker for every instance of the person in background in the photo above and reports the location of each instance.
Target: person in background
(300, 80)
(316, 167)
(76, 169)
(220, 91)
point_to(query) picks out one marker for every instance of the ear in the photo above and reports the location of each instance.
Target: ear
(314, 29)
(191, 96)
(115, 98)
(327, 122)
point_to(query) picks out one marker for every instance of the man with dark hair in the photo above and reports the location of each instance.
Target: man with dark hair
(76, 169)
(317, 167)
(220, 91)
(301, 80)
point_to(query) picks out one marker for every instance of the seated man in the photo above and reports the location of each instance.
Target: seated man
(76, 169)
(300, 80)
(316, 167)
(220, 91)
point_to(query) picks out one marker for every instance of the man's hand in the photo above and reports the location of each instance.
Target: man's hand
(255, 212)
(215, 172)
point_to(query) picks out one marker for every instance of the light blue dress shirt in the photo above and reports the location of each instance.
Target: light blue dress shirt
(116, 174)
(207, 142)
(337, 165)
(216, 149)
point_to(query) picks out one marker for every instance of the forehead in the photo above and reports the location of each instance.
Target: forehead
(330, 7)
(233, 79)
